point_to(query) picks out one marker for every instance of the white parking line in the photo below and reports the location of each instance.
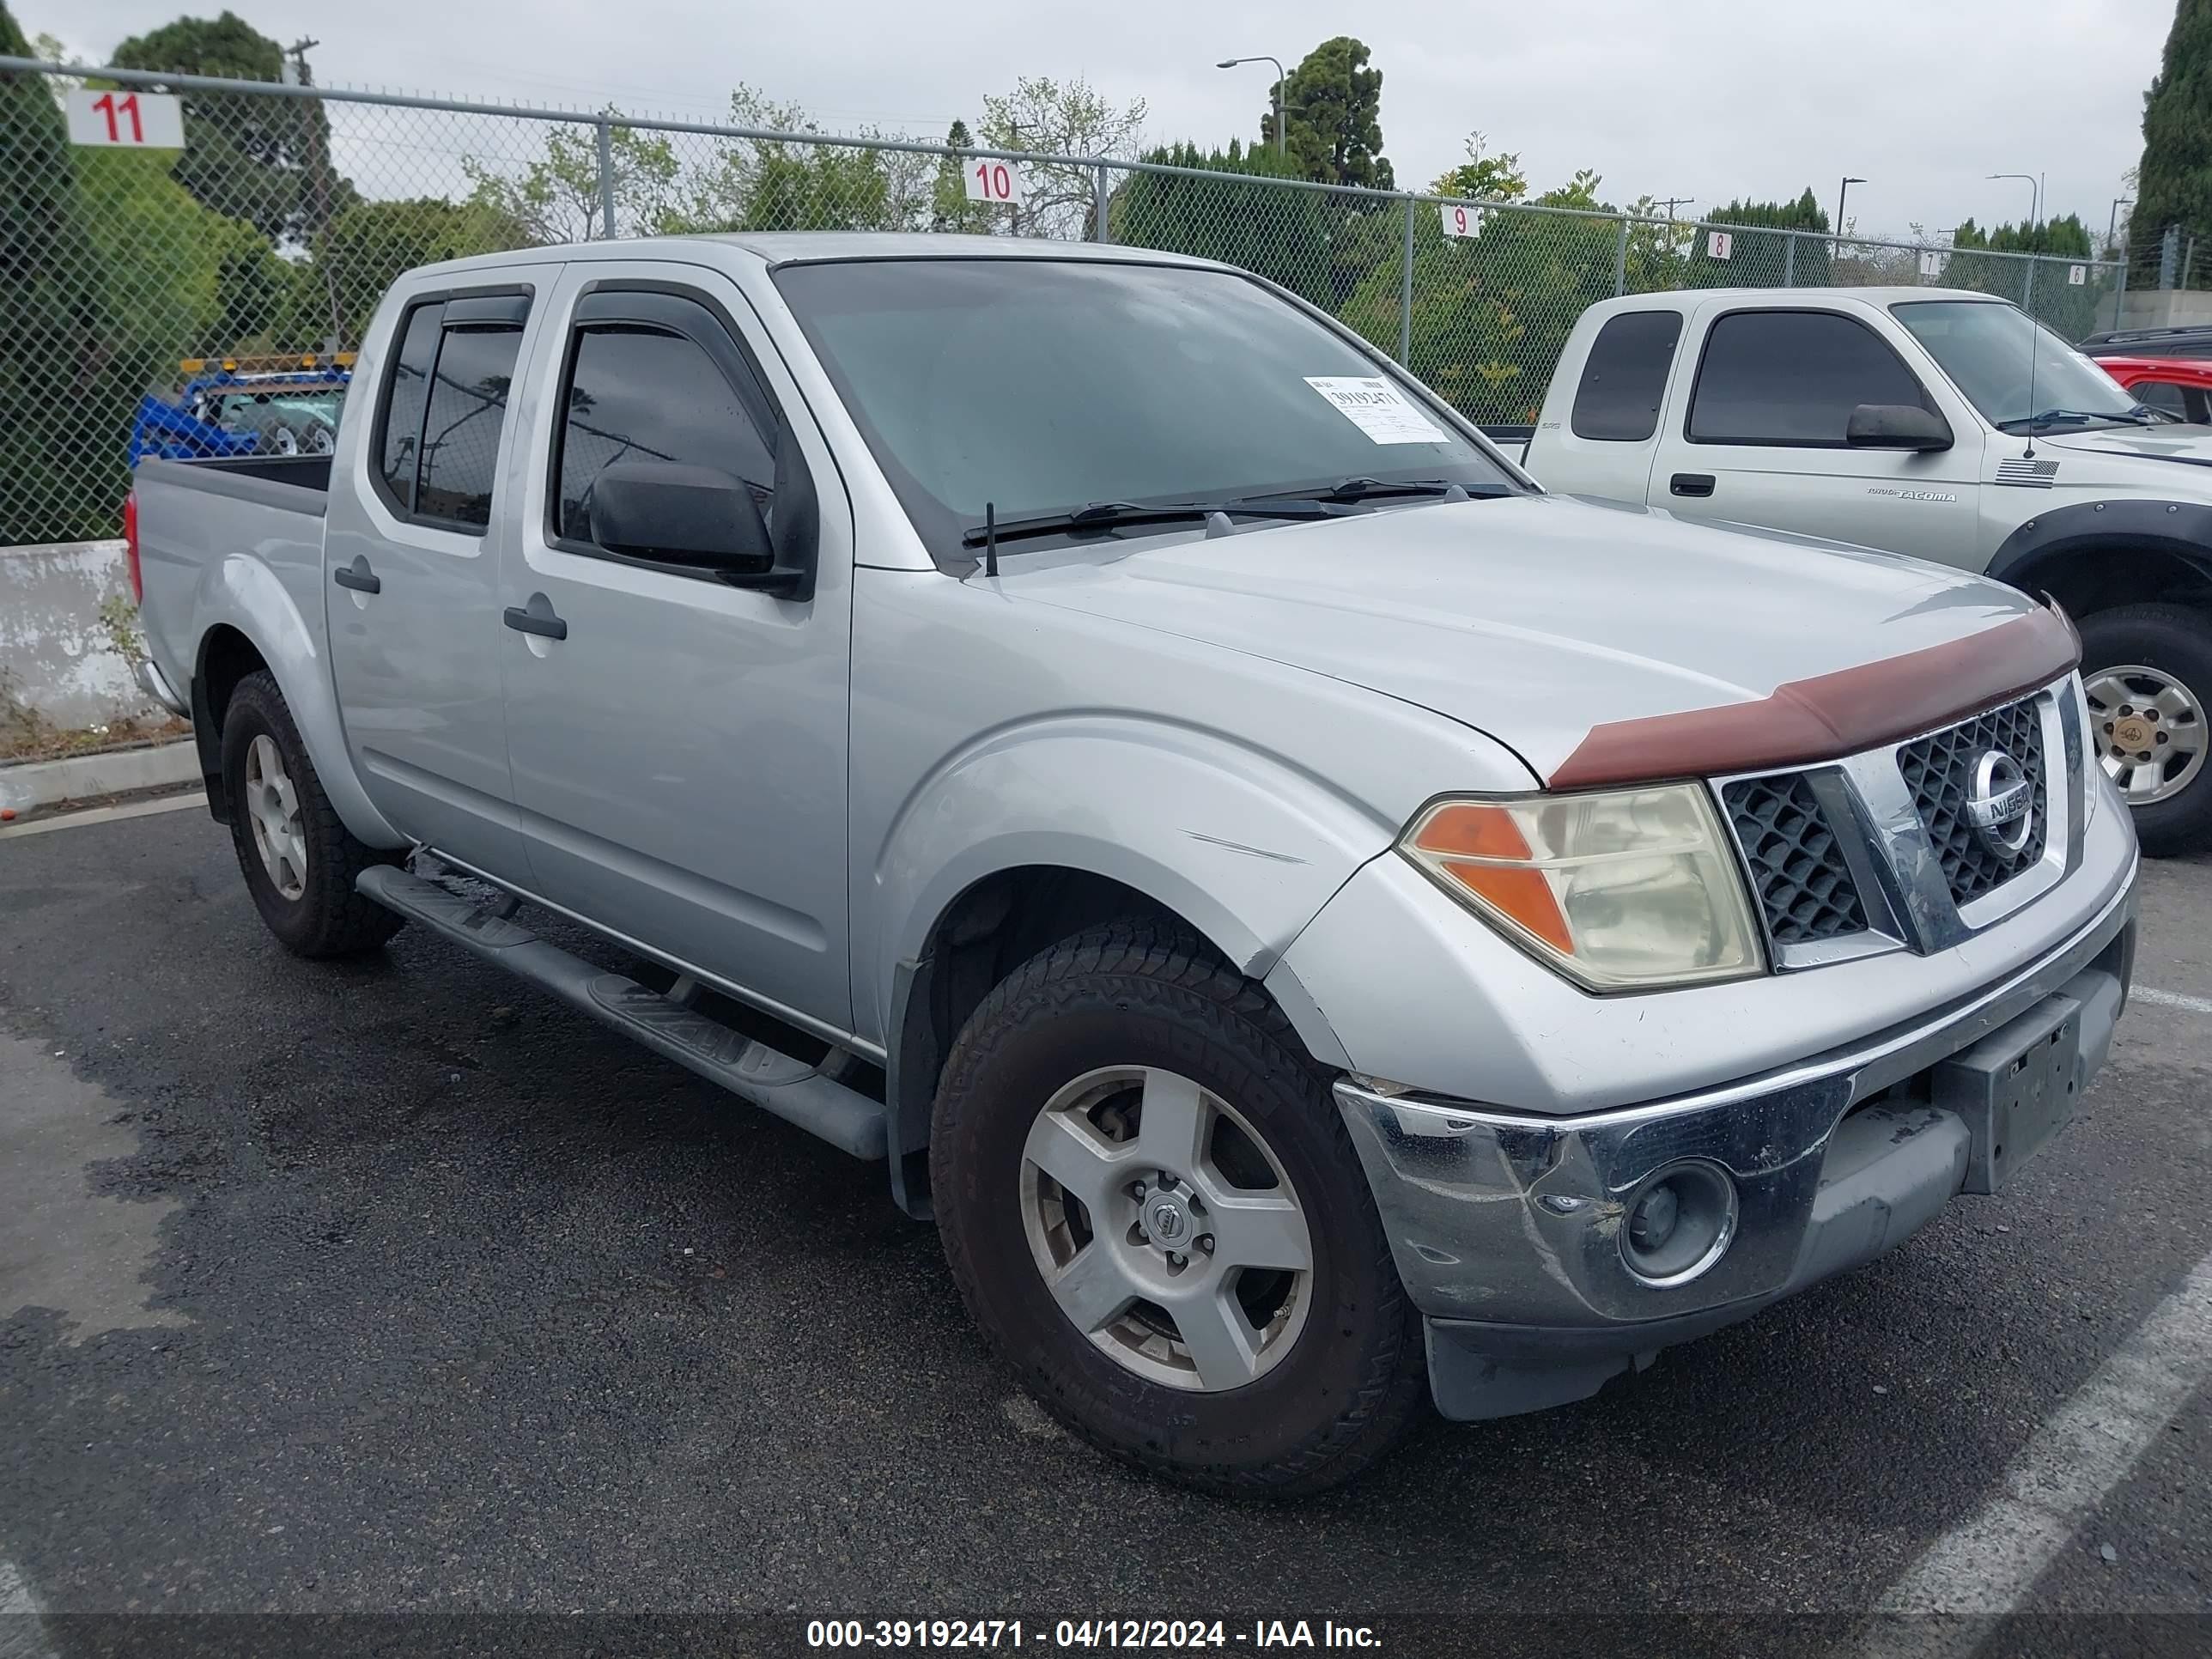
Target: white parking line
(22, 1633)
(1986, 1565)
(2158, 998)
(137, 809)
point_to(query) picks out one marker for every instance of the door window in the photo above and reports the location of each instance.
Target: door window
(639, 390)
(2160, 394)
(1792, 378)
(444, 406)
(460, 432)
(1625, 381)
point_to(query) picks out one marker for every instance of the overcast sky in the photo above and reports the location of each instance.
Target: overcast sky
(1707, 99)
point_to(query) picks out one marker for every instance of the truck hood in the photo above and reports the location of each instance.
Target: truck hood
(2191, 446)
(1534, 619)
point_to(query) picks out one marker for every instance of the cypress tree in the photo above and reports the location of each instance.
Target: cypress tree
(2174, 184)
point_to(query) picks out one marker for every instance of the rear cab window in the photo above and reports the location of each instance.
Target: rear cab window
(1625, 382)
(443, 407)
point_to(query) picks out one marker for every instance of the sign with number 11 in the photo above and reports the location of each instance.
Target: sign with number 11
(126, 119)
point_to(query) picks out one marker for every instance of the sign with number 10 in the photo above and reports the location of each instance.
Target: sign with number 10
(994, 181)
(127, 120)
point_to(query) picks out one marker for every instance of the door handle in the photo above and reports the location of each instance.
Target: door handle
(1691, 483)
(530, 622)
(358, 576)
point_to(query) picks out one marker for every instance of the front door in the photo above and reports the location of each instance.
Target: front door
(1760, 439)
(411, 571)
(679, 750)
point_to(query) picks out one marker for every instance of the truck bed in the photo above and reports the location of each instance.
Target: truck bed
(294, 483)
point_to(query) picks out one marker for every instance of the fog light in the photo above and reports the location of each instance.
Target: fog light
(1681, 1219)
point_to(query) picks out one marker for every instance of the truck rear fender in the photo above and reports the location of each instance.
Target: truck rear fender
(242, 611)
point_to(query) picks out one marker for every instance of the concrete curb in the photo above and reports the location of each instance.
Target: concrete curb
(85, 777)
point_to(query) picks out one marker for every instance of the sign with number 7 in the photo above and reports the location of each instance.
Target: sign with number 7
(126, 119)
(1459, 219)
(992, 181)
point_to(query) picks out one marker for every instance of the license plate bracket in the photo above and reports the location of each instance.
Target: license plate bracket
(2017, 1088)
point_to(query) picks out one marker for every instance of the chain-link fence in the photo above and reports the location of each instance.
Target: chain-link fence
(129, 277)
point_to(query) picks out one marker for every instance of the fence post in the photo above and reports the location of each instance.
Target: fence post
(1098, 232)
(1406, 291)
(2189, 259)
(1620, 261)
(1790, 258)
(606, 180)
(2027, 288)
(2169, 254)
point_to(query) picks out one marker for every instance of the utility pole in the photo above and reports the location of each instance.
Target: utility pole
(318, 148)
(1014, 131)
(1670, 203)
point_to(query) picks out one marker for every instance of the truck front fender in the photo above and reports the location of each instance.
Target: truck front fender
(241, 593)
(1244, 846)
(2054, 551)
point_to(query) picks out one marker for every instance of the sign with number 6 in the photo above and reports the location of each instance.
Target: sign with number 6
(2078, 275)
(126, 119)
(1459, 219)
(994, 181)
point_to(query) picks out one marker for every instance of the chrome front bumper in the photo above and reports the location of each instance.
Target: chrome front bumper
(1506, 1227)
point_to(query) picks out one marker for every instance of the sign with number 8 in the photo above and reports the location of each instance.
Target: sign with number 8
(994, 181)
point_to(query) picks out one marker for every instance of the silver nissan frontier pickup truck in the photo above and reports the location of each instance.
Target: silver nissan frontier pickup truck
(1317, 921)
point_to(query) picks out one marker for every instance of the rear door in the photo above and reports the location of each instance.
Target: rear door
(411, 571)
(1597, 435)
(679, 752)
(1755, 434)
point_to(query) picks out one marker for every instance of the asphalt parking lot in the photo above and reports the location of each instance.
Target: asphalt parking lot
(396, 1288)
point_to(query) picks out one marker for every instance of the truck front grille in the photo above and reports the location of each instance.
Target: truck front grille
(1939, 771)
(1805, 887)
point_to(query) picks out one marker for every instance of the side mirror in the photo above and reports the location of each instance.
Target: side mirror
(697, 517)
(1897, 425)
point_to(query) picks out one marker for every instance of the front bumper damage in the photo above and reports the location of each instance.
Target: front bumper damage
(1507, 1227)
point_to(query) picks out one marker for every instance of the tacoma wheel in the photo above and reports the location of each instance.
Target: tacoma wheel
(1156, 1215)
(299, 860)
(2147, 670)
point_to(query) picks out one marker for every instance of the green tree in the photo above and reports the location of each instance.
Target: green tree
(1484, 177)
(949, 209)
(260, 159)
(1332, 117)
(555, 198)
(372, 243)
(63, 411)
(1282, 235)
(1059, 117)
(2051, 295)
(2173, 183)
(1763, 261)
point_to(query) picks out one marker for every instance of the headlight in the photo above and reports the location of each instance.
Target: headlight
(1623, 890)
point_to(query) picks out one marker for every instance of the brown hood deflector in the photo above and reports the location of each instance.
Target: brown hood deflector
(1832, 715)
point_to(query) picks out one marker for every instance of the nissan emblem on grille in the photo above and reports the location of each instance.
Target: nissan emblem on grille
(2001, 804)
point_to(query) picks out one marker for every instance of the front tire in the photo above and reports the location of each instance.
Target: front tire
(2148, 669)
(298, 857)
(1240, 1326)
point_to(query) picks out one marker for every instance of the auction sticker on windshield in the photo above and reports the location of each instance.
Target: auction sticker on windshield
(1378, 409)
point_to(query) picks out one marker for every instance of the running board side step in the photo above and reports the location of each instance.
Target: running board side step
(800, 1094)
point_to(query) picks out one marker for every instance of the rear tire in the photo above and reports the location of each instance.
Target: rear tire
(298, 857)
(1316, 1373)
(2172, 645)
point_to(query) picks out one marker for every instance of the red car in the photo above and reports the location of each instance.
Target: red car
(2180, 386)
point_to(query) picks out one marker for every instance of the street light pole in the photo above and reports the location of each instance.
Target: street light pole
(1281, 79)
(2035, 196)
(2112, 225)
(1843, 194)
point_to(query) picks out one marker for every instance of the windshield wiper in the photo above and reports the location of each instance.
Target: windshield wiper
(2080, 417)
(1345, 491)
(1111, 515)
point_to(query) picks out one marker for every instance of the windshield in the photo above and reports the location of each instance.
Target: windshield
(1983, 345)
(1039, 386)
